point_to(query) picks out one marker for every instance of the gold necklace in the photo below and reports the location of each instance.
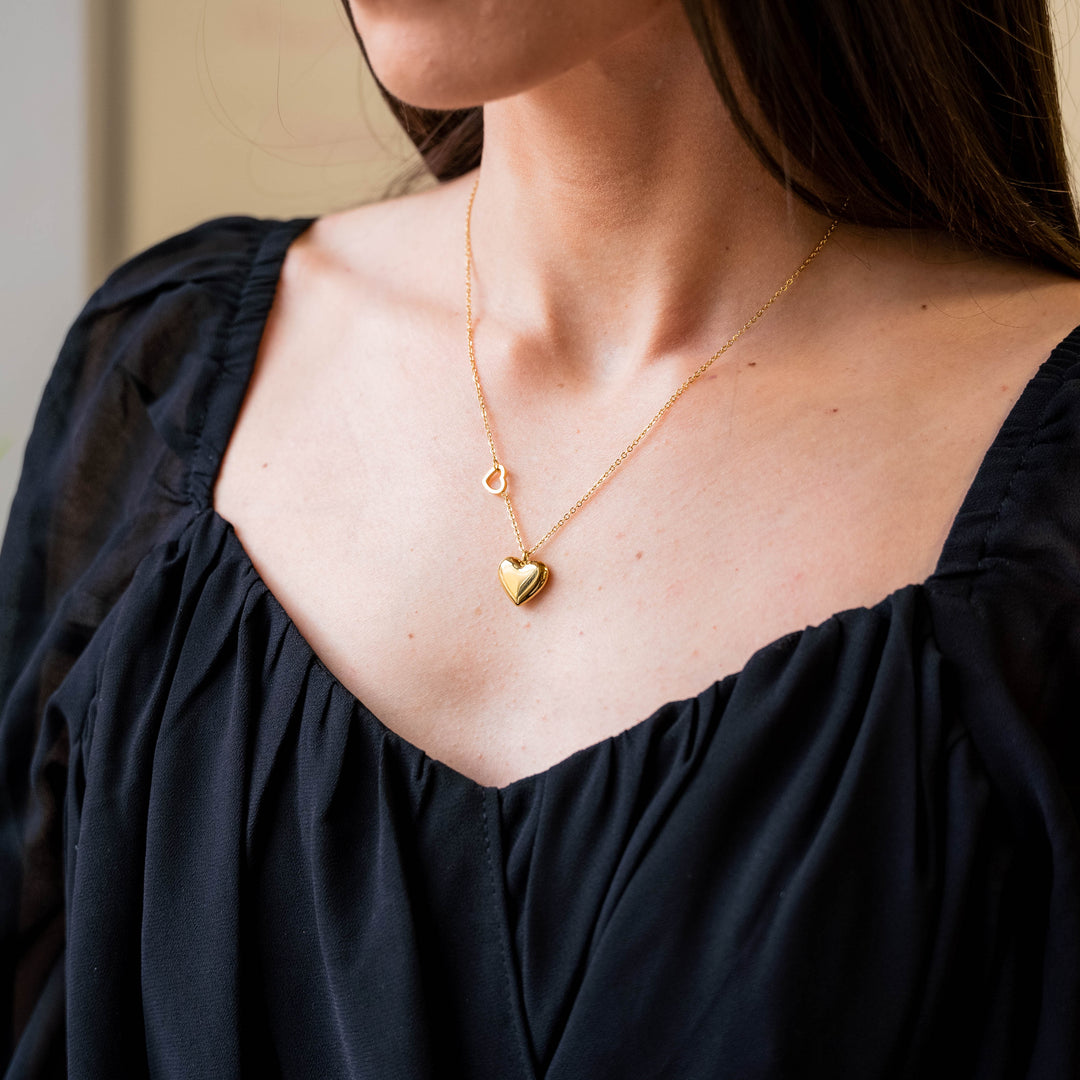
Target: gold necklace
(523, 578)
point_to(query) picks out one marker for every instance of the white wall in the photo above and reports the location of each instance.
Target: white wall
(42, 206)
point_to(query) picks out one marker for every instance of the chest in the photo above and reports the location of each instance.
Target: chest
(757, 508)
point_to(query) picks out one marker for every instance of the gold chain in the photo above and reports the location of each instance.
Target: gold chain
(496, 465)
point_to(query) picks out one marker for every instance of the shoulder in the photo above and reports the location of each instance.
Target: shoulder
(185, 285)
(216, 254)
(1018, 555)
(112, 449)
(1025, 507)
(151, 303)
(400, 248)
(151, 339)
(157, 312)
(363, 297)
(994, 345)
(189, 279)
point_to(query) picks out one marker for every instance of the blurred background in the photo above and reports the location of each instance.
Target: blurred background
(126, 122)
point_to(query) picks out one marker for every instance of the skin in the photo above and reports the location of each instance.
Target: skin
(621, 233)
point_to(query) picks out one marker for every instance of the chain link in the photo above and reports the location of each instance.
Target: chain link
(526, 553)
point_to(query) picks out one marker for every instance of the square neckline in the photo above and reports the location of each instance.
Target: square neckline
(961, 552)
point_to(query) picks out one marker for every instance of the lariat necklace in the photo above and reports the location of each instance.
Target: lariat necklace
(523, 578)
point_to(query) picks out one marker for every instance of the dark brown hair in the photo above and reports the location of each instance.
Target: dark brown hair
(921, 114)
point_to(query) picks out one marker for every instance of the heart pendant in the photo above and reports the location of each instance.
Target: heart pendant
(522, 580)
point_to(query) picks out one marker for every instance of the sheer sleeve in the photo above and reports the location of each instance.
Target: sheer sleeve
(106, 476)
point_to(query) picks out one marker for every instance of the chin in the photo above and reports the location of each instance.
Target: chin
(438, 75)
(439, 55)
(428, 93)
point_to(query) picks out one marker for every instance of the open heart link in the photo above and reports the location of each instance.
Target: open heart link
(495, 470)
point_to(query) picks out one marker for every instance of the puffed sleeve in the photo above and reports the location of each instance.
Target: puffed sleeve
(105, 477)
(1028, 588)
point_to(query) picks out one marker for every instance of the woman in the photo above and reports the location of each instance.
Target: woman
(292, 788)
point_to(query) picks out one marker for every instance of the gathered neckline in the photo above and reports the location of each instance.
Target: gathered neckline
(960, 556)
(718, 688)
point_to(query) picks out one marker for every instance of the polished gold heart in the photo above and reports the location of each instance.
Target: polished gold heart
(522, 579)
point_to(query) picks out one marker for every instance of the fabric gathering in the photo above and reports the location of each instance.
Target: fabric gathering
(854, 853)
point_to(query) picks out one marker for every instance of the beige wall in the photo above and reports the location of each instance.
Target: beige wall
(250, 107)
(266, 108)
(1067, 33)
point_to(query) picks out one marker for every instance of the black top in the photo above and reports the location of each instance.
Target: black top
(857, 857)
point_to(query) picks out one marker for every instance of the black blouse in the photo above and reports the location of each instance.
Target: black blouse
(857, 857)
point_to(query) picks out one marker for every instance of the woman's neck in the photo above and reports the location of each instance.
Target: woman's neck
(620, 217)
